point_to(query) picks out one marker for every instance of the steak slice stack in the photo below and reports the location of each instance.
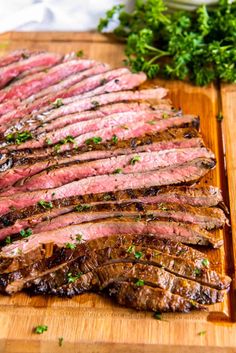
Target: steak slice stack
(96, 187)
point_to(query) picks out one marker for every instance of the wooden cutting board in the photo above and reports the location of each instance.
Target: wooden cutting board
(90, 323)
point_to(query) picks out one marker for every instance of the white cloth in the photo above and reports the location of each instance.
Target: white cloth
(53, 15)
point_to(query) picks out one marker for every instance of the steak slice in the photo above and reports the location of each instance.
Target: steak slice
(11, 71)
(146, 161)
(151, 275)
(28, 106)
(80, 105)
(14, 56)
(182, 195)
(93, 125)
(206, 218)
(60, 257)
(149, 298)
(27, 247)
(21, 166)
(185, 173)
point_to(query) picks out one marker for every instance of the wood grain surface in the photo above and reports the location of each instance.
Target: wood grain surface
(90, 323)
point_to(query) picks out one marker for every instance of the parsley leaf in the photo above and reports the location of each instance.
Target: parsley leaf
(40, 329)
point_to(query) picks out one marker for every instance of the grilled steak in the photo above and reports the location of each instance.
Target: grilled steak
(149, 298)
(207, 218)
(184, 173)
(94, 191)
(23, 165)
(11, 71)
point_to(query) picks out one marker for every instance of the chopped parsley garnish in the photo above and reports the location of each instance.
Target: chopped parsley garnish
(205, 262)
(134, 160)
(95, 104)
(57, 103)
(26, 232)
(40, 329)
(202, 333)
(79, 238)
(80, 54)
(138, 218)
(162, 207)
(95, 140)
(19, 137)
(138, 254)
(45, 204)
(67, 139)
(82, 207)
(70, 246)
(8, 240)
(165, 115)
(72, 279)
(219, 116)
(48, 142)
(131, 249)
(151, 122)
(118, 171)
(139, 283)
(60, 341)
(157, 316)
(114, 139)
(107, 197)
(197, 271)
(103, 81)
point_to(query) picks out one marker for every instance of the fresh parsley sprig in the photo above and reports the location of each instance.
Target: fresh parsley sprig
(198, 45)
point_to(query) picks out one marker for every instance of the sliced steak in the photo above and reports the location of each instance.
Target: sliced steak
(150, 299)
(125, 164)
(81, 105)
(206, 218)
(23, 165)
(31, 104)
(185, 173)
(135, 273)
(49, 273)
(14, 221)
(11, 71)
(14, 56)
(92, 125)
(186, 233)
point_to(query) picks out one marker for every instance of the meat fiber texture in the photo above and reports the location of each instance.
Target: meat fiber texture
(95, 165)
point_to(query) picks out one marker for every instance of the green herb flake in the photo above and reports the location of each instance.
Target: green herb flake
(57, 103)
(139, 283)
(80, 54)
(138, 218)
(202, 333)
(107, 197)
(45, 204)
(165, 116)
(40, 329)
(48, 142)
(135, 159)
(138, 254)
(19, 137)
(96, 140)
(103, 81)
(131, 249)
(197, 271)
(152, 122)
(219, 117)
(8, 240)
(26, 233)
(82, 208)
(72, 279)
(60, 341)
(205, 262)
(162, 207)
(70, 246)
(114, 139)
(95, 104)
(157, 316)
(79, 238)
(117, 171)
